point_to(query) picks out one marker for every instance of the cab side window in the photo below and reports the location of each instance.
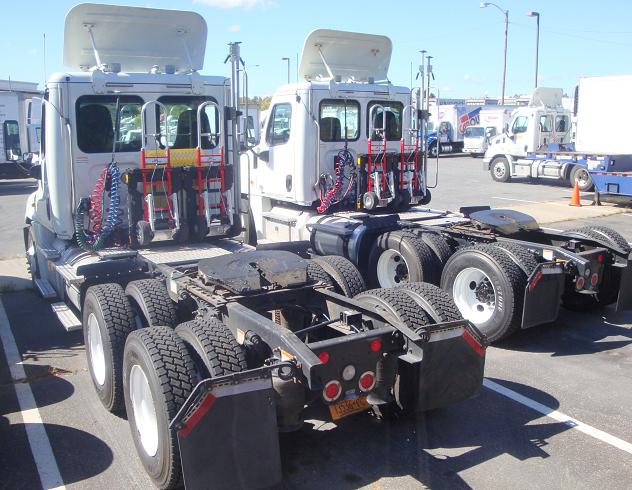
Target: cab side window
(546, 123)
(280, 124)
(388, 117)
(520, 124)
(561, 124)
(11, 133)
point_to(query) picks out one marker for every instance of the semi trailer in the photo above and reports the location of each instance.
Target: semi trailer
(210, 346)
(492, 120)
(448, 125)
(339, 170)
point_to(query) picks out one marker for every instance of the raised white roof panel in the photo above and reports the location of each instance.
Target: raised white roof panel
(350, 55)
(135, 37)
(547, 97)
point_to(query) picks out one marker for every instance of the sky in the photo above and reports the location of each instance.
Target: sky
(577, 38)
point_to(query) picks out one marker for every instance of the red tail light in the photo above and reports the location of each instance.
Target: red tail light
(580, 282)
(600, 258)
(332, 391)
(594, 279)
(367, 381)
(375, 345)
(324, 357)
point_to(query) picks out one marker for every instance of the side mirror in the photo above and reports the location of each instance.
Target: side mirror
(35, 172)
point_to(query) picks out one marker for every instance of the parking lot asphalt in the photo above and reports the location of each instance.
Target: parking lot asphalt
(554, 412)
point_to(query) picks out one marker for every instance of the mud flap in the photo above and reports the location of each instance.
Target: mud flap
(624, 301)
(542, 295)
(450, 368)
(227, 432)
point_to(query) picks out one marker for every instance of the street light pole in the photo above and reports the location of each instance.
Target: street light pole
(537, 42)
(506, 13)
(288, 68)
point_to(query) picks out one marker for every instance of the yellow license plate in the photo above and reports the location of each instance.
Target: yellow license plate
(348, 407)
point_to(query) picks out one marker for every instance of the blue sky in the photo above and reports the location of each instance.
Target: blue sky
(577, 38)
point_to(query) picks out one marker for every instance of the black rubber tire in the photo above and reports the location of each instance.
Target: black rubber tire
(171, 376)
(611, 280)
(182, 235)
(507, 278)
(250, 229)
(346, 276)
(144, 233)
(405, 197)
(200, 228)
(115, 319)
(397, 302)
(580, 175)
(153, 301)
(520, 255)
(438, 245)
(427, 198)
(316, 273)
(432, 150)
(212, 347)
(506, 175)
(370, 201)
(420, 261)
(435, 301)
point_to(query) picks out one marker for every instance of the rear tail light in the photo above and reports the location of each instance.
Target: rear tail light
(580, 282)
(594, 279)
(600, 258)
(332, 391)
(367, 381)
(375, 345)
(324, 357)
(473, 343)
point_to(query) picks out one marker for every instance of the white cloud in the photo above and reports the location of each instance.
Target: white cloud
(245, 4)
(467, 77)
(234, 28)
(32, 52)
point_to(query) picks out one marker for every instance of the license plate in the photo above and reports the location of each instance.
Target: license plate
(348, 407)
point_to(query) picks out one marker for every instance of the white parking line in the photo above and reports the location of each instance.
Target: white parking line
(38, 440)
(560, 417)
(517, 200)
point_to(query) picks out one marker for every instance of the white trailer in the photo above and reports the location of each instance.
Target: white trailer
(449, 123)
(493, 120)
(19, 127)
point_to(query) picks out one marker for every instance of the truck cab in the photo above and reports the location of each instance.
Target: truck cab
(342, 106)
(532, 128)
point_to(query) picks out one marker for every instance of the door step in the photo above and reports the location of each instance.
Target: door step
(66, 316)
(45, 288)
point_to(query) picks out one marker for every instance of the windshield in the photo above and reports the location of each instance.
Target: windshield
(474, 132)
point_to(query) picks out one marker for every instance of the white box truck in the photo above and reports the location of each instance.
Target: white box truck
(19, 127)
(493, 120)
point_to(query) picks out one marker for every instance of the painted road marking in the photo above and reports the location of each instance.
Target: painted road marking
(517, 200)
(559, 416)
(38, 440)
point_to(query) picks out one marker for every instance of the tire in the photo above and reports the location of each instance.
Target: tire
(144, 233)
(182, 235)
(31, 264)
(611, 280)
(499, 169)
(580, 175)
(427, 198)
(153, 301)
(401, 389)
(520, 255)
(316, 273)
(405, 197)
(435, 301)
(370, 201)
(108, 319)
(432, 150)
(250, 230)
(399, 256)
(200, 228)
(212, 347)
(438, 245)
(347, 278)
(479, 268)
(158, 370)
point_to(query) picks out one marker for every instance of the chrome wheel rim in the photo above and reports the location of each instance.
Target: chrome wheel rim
(144, 410)
(499, 170)
(474, 295)
(95, 345)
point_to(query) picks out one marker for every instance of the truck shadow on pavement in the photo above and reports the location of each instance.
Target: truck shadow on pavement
(17, 188)
(431, 450)
(575, 333)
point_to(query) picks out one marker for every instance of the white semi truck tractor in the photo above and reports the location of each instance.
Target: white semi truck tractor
(209, 346)
(339, 171)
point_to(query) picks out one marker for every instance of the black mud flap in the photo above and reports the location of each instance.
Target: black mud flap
(227, 432)
(624, 301)
(542, 295)
(451, 367)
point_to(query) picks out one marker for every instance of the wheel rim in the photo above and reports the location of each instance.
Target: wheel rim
(97, 356)
(392, 269)
(499, 170)
(474, 295)
(582, 178)
(144, 410)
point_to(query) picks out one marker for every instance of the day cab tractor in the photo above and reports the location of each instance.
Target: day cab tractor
(339, 171)
(210, 346)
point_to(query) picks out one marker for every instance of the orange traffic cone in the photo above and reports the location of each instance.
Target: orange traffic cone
(575, 198)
